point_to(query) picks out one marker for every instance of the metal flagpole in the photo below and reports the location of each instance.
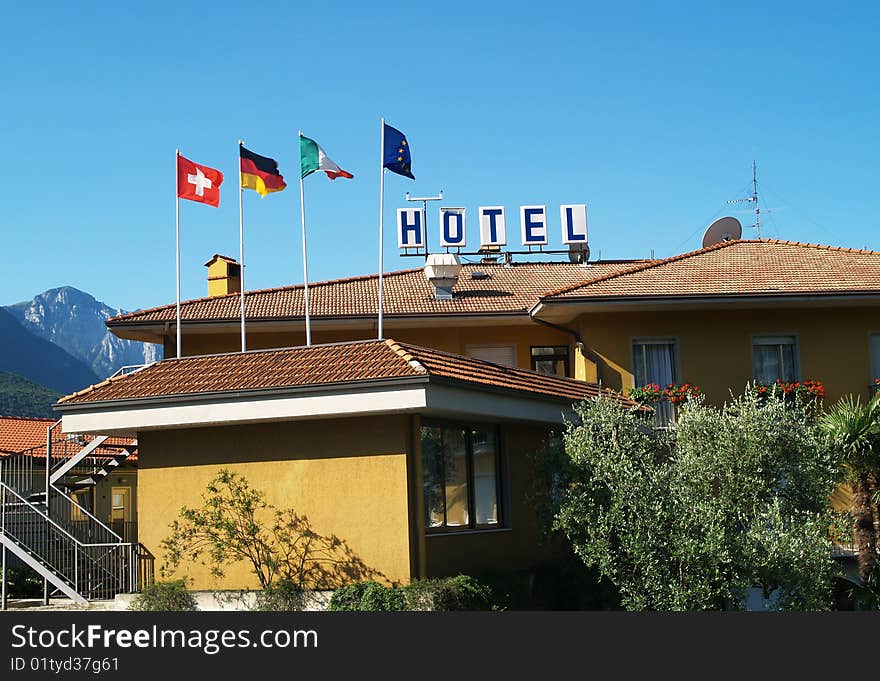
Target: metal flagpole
(302, 203)
(381, 216)
(177, 237)
(241, 245)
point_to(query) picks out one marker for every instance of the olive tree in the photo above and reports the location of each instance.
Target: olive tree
(730, 499)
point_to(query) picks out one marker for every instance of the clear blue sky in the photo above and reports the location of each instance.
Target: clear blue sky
(650, 113)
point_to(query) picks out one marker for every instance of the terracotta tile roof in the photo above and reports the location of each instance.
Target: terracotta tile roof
(406, 292)
(334, 364)
(18, 434)
(739, 268)
(28, 435)
(479, 372)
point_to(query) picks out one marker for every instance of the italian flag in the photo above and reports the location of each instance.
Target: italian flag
(312, 158)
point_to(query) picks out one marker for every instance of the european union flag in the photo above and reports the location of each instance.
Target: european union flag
(396, 156)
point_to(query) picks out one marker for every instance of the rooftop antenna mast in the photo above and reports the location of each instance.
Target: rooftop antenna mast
(424, 200)
(753, 199)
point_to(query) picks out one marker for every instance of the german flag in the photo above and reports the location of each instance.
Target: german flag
(259, 173)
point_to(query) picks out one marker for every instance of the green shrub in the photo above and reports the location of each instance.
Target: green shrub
(449, 593)
(347, 597)
(378, 598)
(23, 582)
(368, 597)
(564, 583)
(282, 596)
(165, 596)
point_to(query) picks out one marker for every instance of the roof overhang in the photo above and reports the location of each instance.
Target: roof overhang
(155, 332)
(422, 395)
(567, 309)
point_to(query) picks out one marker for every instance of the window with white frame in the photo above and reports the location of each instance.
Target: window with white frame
(774, 358)
(654, 362)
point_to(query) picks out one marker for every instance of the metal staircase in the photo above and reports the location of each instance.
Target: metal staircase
(63, 542)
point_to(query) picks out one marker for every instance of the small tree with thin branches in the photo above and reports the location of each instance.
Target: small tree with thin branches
(235, 523)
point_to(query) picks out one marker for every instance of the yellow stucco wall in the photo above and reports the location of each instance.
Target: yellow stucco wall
(349, 476)
(449, 338)
(715, 347)
(520, 543)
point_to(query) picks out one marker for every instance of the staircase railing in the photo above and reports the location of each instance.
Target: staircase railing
(95, 570)
(78, 521)
(63, 541)
(17, 471)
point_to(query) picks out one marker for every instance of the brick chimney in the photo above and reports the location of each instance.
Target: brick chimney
(224, 276)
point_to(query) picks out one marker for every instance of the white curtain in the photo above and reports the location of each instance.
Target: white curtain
(655, 363)
(774, 358)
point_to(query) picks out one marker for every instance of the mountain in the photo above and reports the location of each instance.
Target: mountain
(74, 321)
(28, 355)
(21, 397)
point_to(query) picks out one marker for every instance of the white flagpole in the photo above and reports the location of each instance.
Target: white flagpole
(381, 216)
(177, 238)
(302, 202)
(241, 245)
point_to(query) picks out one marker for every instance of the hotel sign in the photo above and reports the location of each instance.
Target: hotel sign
(533, 226)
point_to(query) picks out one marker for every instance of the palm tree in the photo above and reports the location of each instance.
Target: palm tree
(854, 429)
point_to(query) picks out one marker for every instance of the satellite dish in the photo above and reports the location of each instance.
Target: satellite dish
(578, 252)
(723, 229)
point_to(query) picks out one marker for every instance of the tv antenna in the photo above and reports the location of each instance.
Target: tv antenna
(424, 200)
(753, 199)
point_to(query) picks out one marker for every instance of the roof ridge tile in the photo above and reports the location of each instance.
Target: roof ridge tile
(821, 247)
(408, 357)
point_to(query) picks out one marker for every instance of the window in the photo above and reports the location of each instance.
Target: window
(499, 354)
(120, 504)
(551, 360)
(774, 357)
(654, 362)
(460, 474)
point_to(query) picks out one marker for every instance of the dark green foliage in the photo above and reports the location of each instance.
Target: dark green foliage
(379, 598)
(449, 593)
(21, 397)
(368, 597)
(282, 596)
(23, 582)
(693, 517)
(348, 597)
(170, 596)
(865, 596)
(561, 584)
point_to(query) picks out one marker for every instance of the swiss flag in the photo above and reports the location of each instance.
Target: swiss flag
(197, 182)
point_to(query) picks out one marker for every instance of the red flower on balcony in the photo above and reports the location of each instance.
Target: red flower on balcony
(672, 393)
(791, 389)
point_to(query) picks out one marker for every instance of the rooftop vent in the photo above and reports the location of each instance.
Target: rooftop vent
(442, 269)
(476, 274)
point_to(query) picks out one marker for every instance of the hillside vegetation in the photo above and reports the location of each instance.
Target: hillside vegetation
(21, 397)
